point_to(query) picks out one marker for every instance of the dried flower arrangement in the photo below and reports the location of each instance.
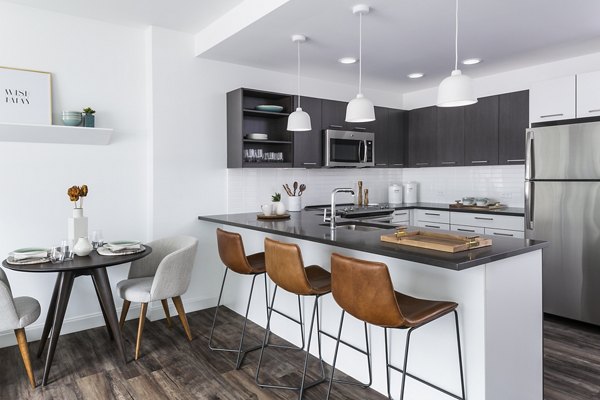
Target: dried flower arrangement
(76, 193)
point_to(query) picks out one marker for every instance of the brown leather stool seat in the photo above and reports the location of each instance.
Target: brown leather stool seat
(364, 289)
(231, 251)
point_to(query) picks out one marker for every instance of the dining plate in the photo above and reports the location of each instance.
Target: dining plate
(123, 243)
(257, 136)
(269, 107)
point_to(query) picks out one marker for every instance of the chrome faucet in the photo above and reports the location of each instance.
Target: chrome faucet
(333, 193)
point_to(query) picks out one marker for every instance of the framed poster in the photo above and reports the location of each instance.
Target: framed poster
(26, 96)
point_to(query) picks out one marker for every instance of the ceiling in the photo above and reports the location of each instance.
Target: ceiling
(399, 36)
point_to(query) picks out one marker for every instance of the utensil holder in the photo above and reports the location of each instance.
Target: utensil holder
(294, 203)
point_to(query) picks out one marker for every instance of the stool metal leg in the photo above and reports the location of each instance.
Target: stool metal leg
(312, 321)
(404, 369)
(460, 365)
(366, 352)
(241, 354)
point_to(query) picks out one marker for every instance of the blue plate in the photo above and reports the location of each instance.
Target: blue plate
(268, 107)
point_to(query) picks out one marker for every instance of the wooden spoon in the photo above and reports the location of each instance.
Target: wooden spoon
(302, 189)
(295, 187)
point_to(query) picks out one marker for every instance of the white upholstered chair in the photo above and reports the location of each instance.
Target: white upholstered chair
(15, 314)
(164, 274)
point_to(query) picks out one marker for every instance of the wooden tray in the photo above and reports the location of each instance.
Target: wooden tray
(272, 216)
(447, 242)
(461, 206)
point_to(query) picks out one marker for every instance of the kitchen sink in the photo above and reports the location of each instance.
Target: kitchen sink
(360, 226)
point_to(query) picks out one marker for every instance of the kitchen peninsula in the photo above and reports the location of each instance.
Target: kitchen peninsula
(498, 288)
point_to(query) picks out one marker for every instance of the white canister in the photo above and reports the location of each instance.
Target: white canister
(410, 192)
(395, 194)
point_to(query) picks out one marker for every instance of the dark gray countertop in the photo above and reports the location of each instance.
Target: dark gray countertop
(305, 225)
(511, 211)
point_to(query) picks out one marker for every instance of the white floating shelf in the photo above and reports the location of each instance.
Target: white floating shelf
(11, 132)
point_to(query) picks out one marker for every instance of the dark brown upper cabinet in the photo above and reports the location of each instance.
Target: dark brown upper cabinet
(308, 145)
(450, 136)
(422, 137)
(397, 138)
(513, 121)
(481, 132)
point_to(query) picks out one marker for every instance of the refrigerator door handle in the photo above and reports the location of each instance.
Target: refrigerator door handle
(529, 201)
(529, 163)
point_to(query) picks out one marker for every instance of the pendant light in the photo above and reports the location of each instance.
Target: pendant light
(299, 120)
(360, 109)
(457, 89)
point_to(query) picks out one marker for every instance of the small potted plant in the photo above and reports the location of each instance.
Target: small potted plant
(88, 117)
(278, 206)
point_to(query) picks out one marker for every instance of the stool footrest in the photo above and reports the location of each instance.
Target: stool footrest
(425, 382)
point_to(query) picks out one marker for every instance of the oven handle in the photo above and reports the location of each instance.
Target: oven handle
(365, 153)
(359, 146)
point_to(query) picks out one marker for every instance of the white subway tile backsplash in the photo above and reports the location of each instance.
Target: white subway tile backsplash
(248, 188)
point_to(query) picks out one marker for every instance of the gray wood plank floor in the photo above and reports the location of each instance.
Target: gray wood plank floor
(86, 365)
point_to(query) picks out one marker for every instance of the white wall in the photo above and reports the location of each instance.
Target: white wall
(92, 64)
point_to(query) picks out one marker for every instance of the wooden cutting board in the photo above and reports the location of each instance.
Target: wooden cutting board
(447, 242)
(461, 206)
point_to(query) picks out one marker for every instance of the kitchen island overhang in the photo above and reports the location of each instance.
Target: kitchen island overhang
(498, 290)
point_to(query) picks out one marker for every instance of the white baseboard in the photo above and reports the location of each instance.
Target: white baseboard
(83, 322)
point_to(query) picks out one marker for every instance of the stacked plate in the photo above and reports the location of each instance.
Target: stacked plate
(121, 247)
(269, 108)
(257, 136)
(71, 118)
(29, 255)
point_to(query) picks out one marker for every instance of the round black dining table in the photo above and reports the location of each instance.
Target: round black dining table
(93, 265)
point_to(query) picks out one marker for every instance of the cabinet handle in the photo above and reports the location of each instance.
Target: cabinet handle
(519, 159)
(593, 111)
(479, 162)
(437, 215)
(380, 164)
(433, 226)
(400, 165)
(448, 162)
(551, 115)
(421, 164)
(309, 163)
(504, 234)
(335, 126)
(359, 128)
(403, 213)
(485, 219)
(465, 230)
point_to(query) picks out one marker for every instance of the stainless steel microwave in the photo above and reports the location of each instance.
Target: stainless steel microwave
(348, 149)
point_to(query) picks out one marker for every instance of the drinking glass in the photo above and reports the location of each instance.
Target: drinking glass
(97, 239)
(259, 155)
(66, 247)
(56, 255)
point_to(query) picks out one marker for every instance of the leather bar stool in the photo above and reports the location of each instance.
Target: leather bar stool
(231, 251)
(364, 290)
(286, 269)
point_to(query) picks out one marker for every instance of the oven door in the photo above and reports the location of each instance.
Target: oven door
(348, 149)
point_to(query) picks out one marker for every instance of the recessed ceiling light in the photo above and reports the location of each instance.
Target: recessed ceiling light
(348, 60)
(471, 61)
(416, 75)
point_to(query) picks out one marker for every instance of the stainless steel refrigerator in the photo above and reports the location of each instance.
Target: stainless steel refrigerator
(562, 206)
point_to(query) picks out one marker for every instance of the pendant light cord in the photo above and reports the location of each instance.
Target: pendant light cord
(360, 52)
(456, 37)
(298, 74)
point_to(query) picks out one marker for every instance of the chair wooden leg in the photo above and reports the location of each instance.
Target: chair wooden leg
(24, 349)
(165, 305)
(138, 341)
(182, 317)
(124, 311)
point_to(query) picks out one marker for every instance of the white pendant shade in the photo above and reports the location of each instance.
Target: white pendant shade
(455, 91)
(299, 121)
(360, 109)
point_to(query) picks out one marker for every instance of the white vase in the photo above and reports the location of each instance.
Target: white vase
(279, 208)
(83, 247)
(77, 226)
